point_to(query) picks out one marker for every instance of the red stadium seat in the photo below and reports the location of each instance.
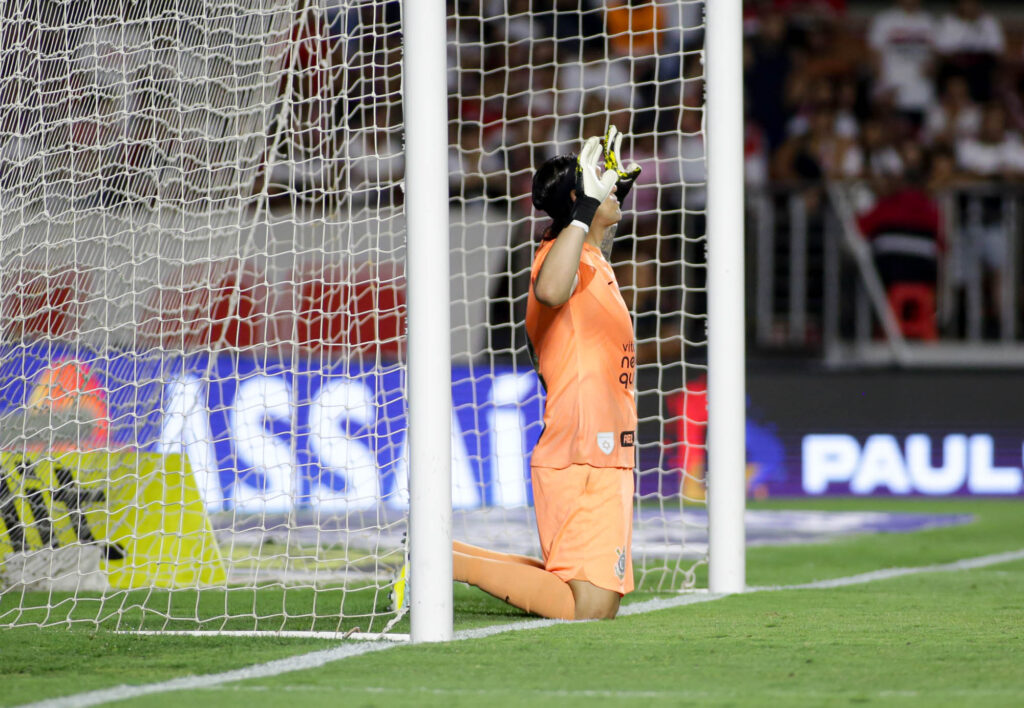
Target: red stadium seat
(342, 311)
(237, 313)
(229, 314)
(44, 305)
(913, 304)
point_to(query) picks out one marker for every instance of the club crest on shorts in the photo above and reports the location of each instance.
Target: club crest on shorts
(620, 565)
(606, 442)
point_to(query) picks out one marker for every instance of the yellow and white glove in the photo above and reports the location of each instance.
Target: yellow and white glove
(591, 188)
(627, 174)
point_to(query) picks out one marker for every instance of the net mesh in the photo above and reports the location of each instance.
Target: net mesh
(528, 83)
(202, 391)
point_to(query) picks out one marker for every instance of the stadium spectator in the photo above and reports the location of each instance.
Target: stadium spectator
(848, 107)
(828, 50)
(636, 28)
(569, 22)
(995, 155)
(519, 27)
(812, 155)
(942, 173)
(1011, 90)
(801, 10)
(643, 39)
(768, 62)
(955, 117)
(972, 43)
(821, 95)
(996, 152)
(872, 156)
(660, 157)
(904, 227)
(593, 76)
(474, 171)
(801, 15)
(902, 39)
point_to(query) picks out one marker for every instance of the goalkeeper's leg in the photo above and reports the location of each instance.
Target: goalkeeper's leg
(466, 549)
(533, 589)
(523, 585)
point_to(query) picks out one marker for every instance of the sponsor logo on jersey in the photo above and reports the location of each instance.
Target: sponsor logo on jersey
(606, 442)
(620, 564)
(626, 438)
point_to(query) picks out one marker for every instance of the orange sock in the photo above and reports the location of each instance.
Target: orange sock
(521, 585)
(465, 548)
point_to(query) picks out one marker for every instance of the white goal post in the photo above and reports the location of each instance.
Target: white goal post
(263, 269)
(726, 309)
(430, 402)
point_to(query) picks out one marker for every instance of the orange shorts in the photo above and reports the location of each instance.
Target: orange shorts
(585, 520)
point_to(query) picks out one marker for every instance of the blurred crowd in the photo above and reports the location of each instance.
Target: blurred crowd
(919, 114)
(529, 79)
(526, 80)
(935, 94)
(901, 100)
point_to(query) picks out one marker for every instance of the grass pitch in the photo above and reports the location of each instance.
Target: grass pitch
(952, 638)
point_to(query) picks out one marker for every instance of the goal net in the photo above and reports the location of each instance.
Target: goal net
(202, 369)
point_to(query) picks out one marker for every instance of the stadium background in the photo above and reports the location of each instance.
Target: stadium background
(825, 118)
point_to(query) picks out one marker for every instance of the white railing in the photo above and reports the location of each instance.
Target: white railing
(815, 288)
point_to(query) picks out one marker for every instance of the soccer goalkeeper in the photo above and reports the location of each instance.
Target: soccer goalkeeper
(582, 339)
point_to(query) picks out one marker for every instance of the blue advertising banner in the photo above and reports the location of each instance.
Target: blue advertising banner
(268, 435)
(265, 435)
(892, 433)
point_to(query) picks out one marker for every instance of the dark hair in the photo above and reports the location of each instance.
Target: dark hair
(552, 187)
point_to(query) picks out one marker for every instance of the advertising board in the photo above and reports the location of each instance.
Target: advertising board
(268, 435)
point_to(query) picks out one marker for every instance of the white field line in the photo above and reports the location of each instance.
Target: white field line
(316, 659)
(284, 634)
(966, 564)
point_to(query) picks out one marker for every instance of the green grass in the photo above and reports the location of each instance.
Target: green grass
(270, 609)
(896, 641)
(929, 639)
(998, 526)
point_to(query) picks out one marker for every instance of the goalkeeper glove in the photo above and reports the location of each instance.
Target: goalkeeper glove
(591, 190)
(612, 152)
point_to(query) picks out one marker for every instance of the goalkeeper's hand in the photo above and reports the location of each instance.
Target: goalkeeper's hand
(591, 188)
(627, 175)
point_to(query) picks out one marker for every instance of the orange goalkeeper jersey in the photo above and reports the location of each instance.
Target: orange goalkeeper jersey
(585, 355)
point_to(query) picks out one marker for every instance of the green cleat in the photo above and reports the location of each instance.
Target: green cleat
(400, 586)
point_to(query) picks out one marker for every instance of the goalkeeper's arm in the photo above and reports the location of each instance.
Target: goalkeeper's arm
(557, 278)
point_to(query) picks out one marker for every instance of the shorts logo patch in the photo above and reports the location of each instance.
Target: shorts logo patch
(606, 442)
(620, 565)
(626, 438)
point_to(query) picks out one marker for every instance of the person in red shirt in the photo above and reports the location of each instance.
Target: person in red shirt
(904, 227)
(581, 336)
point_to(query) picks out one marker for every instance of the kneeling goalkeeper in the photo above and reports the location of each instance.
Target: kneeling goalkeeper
(581, 336)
